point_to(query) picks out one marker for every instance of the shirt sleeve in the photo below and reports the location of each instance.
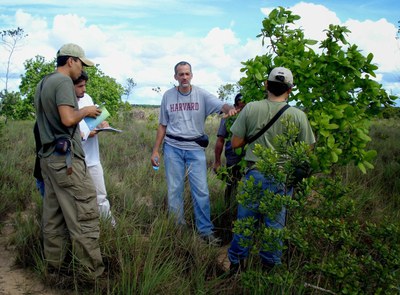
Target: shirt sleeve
(163, 118)
(212, 103)
(222, 132)
(306, 133)
(238, 127)
(65, 93)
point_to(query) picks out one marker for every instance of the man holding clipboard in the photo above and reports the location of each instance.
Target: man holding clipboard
(90, 145)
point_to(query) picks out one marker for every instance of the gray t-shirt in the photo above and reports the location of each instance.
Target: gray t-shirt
(185, 115)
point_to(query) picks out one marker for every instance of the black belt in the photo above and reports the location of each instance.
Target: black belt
(180, 138)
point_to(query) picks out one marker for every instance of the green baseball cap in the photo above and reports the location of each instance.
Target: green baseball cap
(74, 50)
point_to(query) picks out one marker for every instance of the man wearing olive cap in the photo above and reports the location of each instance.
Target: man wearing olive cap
(70, 212)
(74, 51)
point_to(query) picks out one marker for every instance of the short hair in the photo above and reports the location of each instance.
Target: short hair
(83, 77)
(238, 98)
(62, 60)
(182, 63)
(277, 88)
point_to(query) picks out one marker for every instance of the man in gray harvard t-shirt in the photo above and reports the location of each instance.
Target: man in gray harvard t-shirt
(183, 112)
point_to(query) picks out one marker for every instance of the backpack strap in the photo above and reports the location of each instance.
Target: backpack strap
(270, 123)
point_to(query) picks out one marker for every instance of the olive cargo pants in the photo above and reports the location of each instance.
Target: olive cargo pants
(70, 214)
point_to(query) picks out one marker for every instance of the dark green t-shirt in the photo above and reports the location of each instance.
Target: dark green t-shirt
(57, 90)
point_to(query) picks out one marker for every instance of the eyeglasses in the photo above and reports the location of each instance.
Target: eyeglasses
(280, 78)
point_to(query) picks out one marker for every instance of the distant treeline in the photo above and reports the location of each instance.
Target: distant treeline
(147, 106)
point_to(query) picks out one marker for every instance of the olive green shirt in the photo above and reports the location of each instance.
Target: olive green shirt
(255, 115)
(57, 90)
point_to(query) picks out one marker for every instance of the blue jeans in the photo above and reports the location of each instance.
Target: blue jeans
(177, 162)
(237, 252)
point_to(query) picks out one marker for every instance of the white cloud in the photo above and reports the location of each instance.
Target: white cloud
(266, 10)
(314, 19)
(124, 51)
(377, 38)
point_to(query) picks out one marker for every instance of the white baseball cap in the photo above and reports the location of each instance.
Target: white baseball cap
(281, 75)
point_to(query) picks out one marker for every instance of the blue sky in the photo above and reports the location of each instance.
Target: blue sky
(143, 40)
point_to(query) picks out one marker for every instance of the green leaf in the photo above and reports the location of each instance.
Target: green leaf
(369, 155)
(259, 76)
(311, 42)
(334, 157)
(332, 126)
(368, 165)
(362, 167)
(337, 114)
(331, 141)
(362, 135)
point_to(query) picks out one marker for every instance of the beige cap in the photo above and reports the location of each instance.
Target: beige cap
(74, 50)
(281, 75)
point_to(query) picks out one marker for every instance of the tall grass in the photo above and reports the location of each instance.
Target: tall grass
(17, 155)
(147, 253)
(378, 191)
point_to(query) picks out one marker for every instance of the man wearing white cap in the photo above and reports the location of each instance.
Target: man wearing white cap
(252, 119)
(70, 213)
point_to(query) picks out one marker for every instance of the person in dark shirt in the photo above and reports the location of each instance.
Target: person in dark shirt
(232, 158)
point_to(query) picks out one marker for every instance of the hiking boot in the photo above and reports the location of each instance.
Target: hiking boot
(212, 240)
(236, 268)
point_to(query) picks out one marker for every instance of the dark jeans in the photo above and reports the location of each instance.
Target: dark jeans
(236, 252)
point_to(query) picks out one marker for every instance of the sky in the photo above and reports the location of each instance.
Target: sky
(143, 40)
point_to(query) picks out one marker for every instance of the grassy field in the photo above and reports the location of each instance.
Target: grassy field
(147, 254)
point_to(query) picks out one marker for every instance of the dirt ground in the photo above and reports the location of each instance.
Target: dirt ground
(15, 280)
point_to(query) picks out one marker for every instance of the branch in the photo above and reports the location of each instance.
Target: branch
(307, 285)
